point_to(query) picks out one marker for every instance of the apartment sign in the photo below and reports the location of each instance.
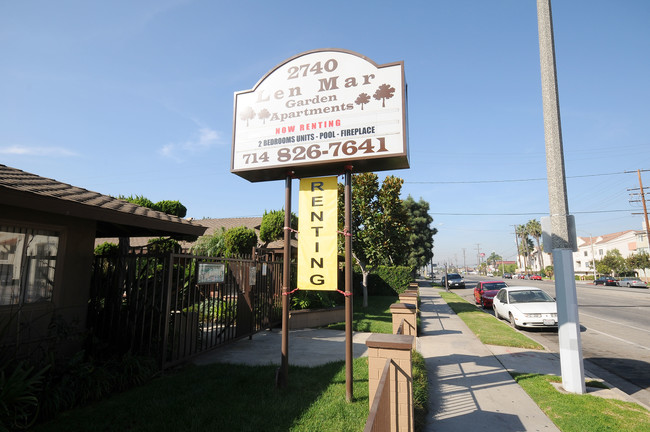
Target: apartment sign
(318, 112)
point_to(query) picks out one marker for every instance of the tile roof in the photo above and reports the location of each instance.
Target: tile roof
(604, 238)
(22, 189)
(212, 225)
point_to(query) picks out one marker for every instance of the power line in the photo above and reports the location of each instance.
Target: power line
(518, 180)
(525, 214)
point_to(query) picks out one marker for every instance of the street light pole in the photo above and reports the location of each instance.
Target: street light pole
(571, 361)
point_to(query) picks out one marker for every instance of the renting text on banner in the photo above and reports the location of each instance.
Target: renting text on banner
(317, 238)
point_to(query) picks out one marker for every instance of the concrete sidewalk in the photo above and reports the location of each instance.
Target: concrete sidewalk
(469, 383)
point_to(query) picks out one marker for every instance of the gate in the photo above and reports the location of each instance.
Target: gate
(153, 304)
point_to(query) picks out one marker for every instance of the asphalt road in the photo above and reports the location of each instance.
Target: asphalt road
(615, 331)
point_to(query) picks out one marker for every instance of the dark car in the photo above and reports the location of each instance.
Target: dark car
(507, 275)
(485, 291)
(455, 280)
(606, 280)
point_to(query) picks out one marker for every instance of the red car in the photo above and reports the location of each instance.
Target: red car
(485, 291)
(535, 277)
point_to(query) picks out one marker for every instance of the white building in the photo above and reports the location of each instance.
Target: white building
(591, 249)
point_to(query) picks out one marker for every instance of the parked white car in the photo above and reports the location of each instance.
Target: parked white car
(525, 306)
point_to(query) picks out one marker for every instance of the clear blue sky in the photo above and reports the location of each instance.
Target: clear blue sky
(136, 97)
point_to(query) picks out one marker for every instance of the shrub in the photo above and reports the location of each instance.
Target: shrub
(316, 300)
(162, 245)
(386, 280)
(240, 241)
(174, 208)
(79, 380)
(272, 227)
(107, 249)
(19, 388)
(398, 277)
(139, 200)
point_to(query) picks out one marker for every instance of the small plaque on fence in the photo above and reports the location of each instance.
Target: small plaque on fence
(252, 275)
(210, 273)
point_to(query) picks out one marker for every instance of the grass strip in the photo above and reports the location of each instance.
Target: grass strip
(420, 391)
(580, 413)
(231, 397)
(487, 328)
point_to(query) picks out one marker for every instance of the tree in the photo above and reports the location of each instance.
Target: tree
(174, 208)
(210, 245)
(522, 234)
(239, 241)
(612, 262)
(272, 227)
(549, 271)
(379, 223)
(363, 99)
(420, 234)
(385, 91)
(534, 228)
(638, 261)
(493, 258)
(138, 200)
(525, 246)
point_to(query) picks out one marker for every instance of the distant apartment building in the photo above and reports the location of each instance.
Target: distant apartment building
(592, 249)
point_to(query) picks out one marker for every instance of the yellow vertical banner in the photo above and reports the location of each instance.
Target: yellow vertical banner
(317, 234)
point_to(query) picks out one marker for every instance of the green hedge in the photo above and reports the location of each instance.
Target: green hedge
(386, 280)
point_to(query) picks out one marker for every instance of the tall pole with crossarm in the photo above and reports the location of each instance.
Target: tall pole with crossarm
(565, 287)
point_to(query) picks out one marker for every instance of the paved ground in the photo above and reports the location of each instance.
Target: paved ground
(470, 386)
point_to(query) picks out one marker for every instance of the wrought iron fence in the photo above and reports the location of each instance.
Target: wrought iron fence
(155, 305)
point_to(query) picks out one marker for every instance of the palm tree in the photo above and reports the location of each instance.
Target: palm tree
(522, 233)
(534, 228)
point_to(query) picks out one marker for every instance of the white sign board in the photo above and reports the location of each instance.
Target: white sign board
(210, 273)
(318, 112)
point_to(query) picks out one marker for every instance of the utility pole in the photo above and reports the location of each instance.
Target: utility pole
(571, 362)
(645, 209)
(478, 257)
(593, 256)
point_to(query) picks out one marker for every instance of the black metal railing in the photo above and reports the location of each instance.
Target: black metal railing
(154, 304)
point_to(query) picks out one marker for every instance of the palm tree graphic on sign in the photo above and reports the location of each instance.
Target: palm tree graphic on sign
(385, 91)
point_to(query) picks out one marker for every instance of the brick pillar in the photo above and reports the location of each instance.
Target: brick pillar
(408, 313)
(383, 347)
(409, 297)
